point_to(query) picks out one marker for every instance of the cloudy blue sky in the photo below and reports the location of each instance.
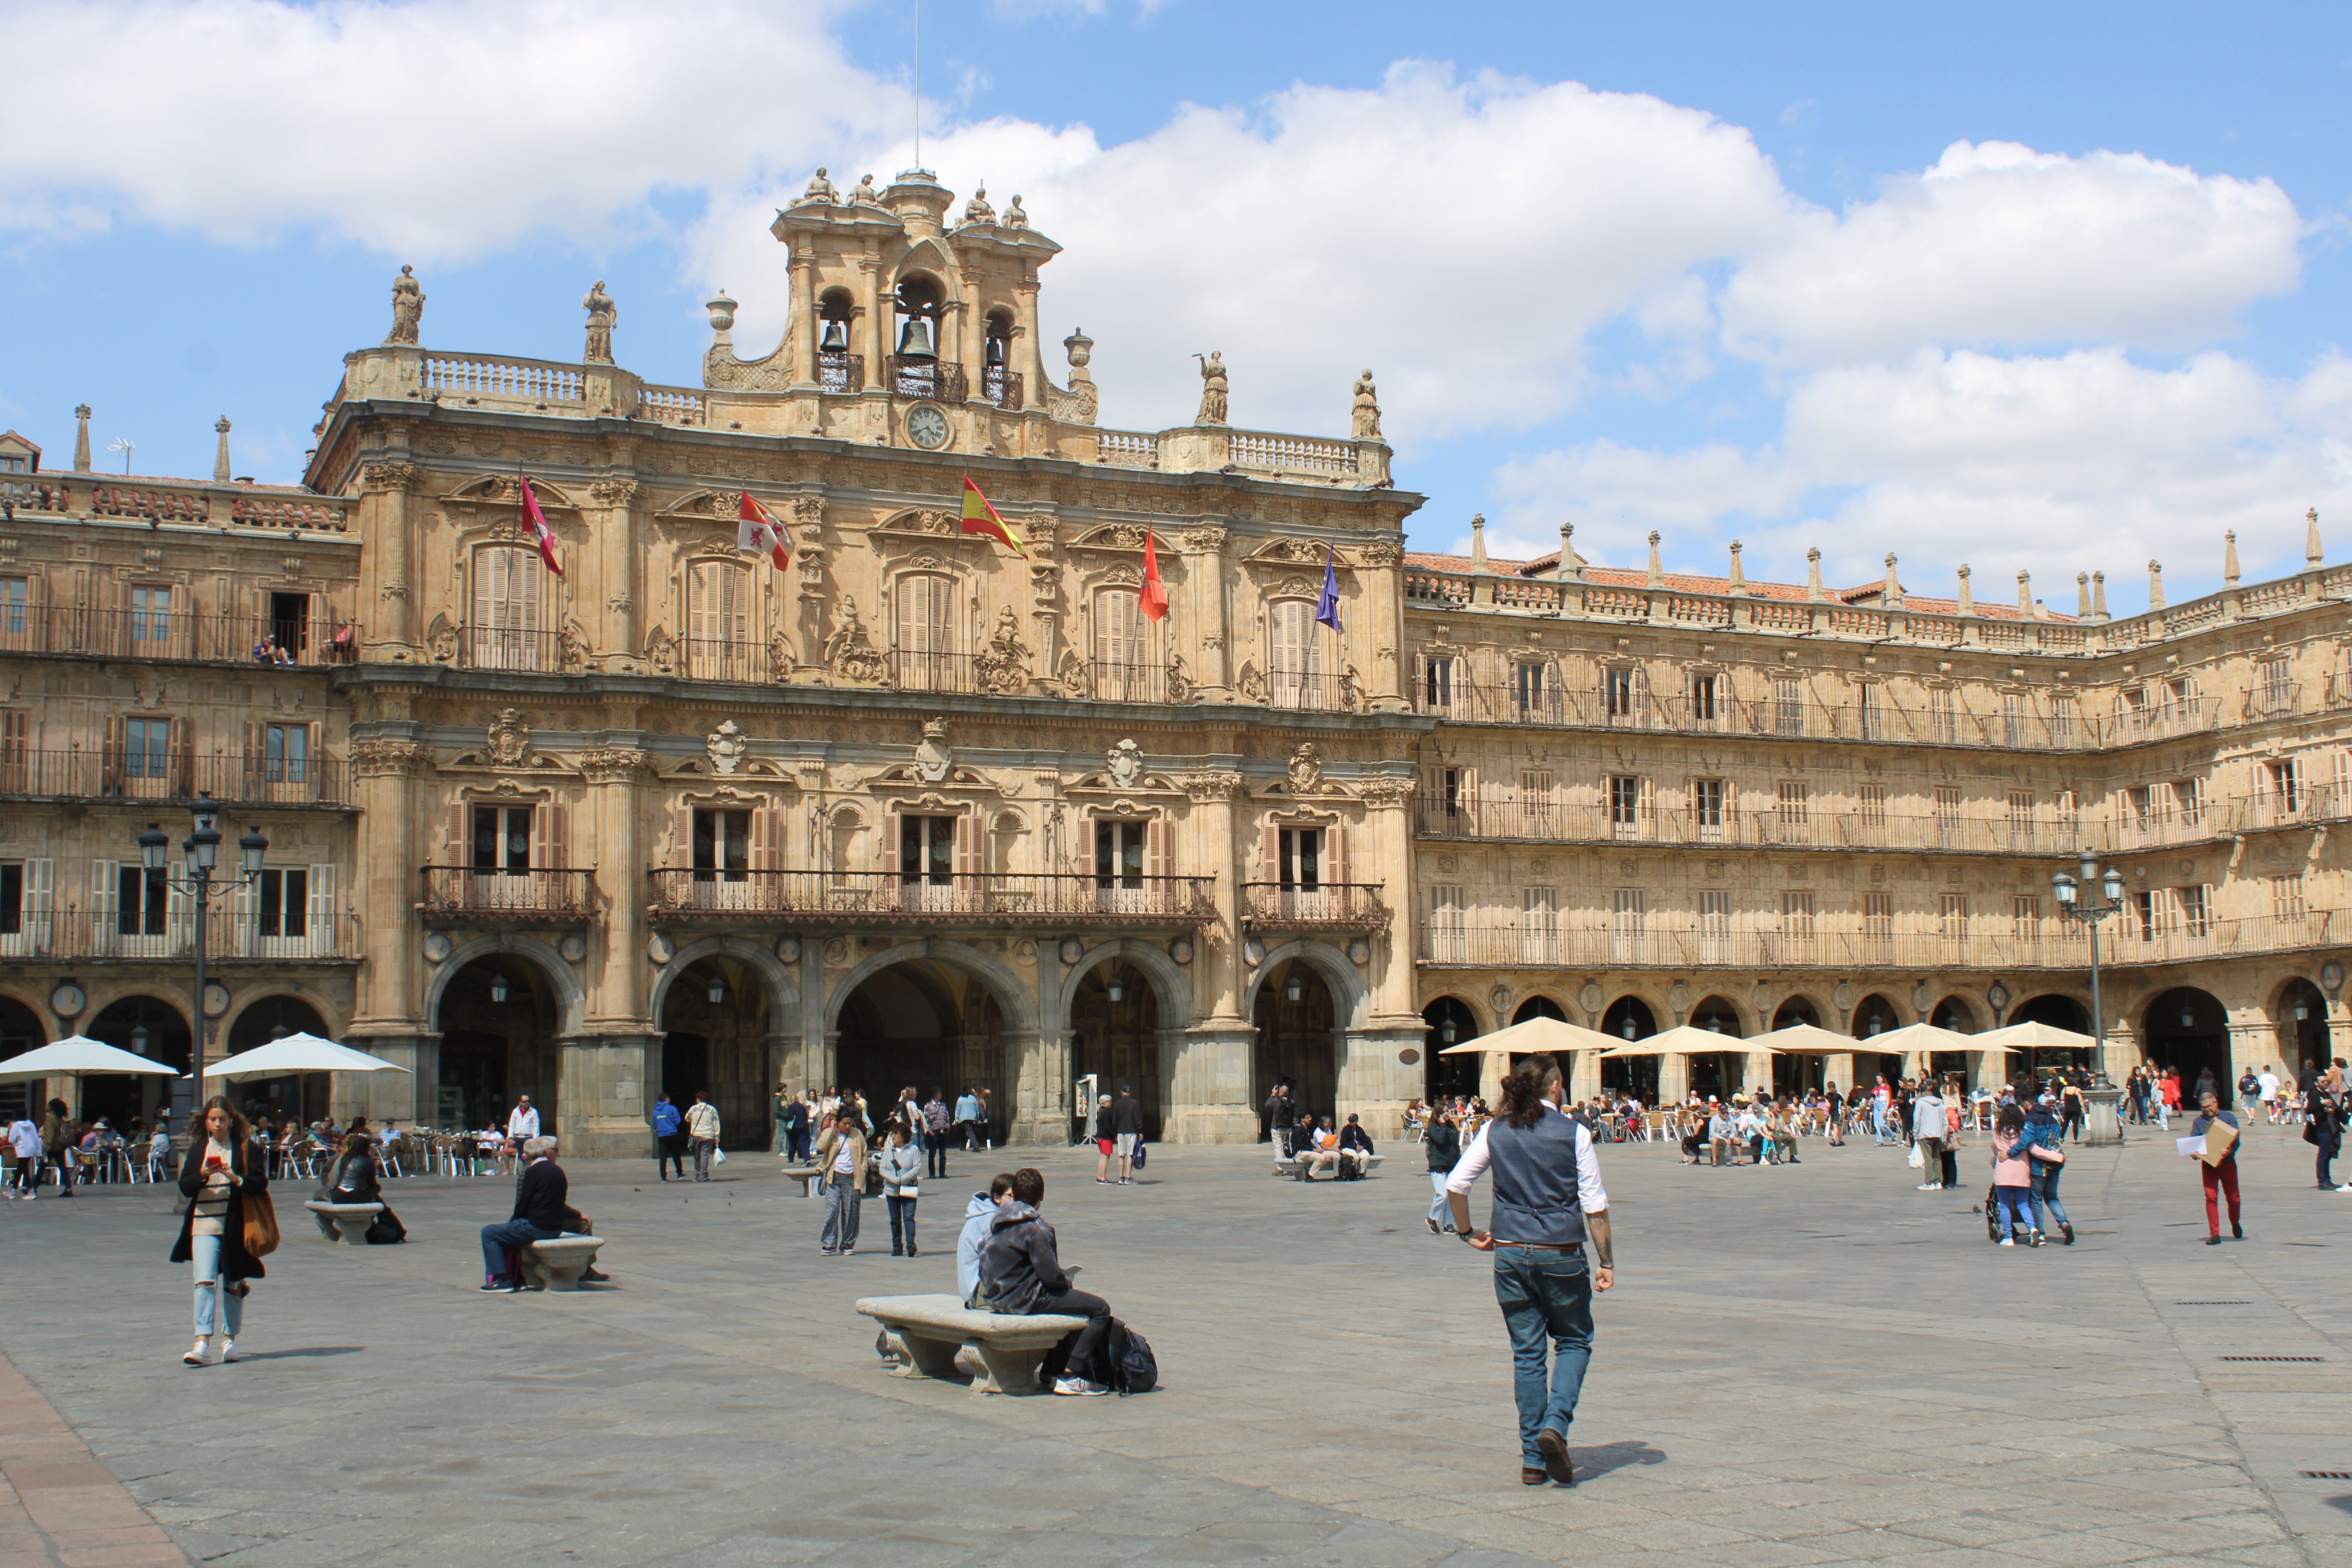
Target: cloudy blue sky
(2030, 287)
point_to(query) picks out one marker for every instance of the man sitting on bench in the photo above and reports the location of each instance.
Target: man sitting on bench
(1021, 1273)
(1318, 1146)
(1355, 1151)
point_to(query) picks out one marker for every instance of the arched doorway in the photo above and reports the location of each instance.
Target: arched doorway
(1450, 1023)
(924, 1024)
(1633, 1073)
(20, 1031)
(1721, 1073)
(1795, 1072)
(1539, 1006)
(2301, 1016)
(1115, 1035)
(498, 1018)
(715, 1043)
(297, 1097)
(147, 1027)
(1875, 1015)
(1295, 1016)
(1957, 1015)
(2060, 1012)
(2189, 1030)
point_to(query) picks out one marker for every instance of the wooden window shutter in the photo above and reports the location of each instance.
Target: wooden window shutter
(40, 897)
(1158, 861)
(550, 834)
(184, 756)
(105, 901)
(489, 571)
(768, 839)
(681, 830)
(244, 921)
(1335, 853)
(970, 853)
(322, 911)
(1269, 855)
(179, 918)
(461, 833)
(889, 857)
(110, 757)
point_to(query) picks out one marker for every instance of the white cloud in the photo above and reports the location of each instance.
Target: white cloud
(2000, 245)
(433, 130)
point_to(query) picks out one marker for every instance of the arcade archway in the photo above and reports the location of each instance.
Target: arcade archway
(1115, 1035)
(1450, 1023)
(2060, 1012)
(20, 1031)
(1628, 1072)
(1539, 1006)
(714, 1020)
(300, 1098)
(2301, 1016)
(147, 1027)
(924, 1024)
(1875, 1015)
(1296, 1018)
(1798, 1072)
(500, 1019)
(2189, 1030)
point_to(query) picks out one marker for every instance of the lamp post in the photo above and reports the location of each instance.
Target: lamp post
(2074, 903)
(202, 852)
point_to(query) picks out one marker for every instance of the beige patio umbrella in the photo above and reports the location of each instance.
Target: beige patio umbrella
(1680, 1040)
(2031, 1035)
(1534, 1034)
(1923, 1039)
(1808, 1038)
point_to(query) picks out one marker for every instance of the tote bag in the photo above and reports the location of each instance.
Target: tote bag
(261, 1225)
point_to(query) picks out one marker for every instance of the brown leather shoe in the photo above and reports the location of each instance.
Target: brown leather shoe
(1528, 1475)
(1557, 1466)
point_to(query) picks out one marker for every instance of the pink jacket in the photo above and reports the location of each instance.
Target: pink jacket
(2008, 1172)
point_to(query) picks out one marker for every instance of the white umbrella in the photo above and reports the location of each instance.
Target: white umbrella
(297, 1052)
(1810, 1037)
(77, 1054)
(2031, 1035)
(1924, 1038)
(1681, 1040)
(1535, 1034)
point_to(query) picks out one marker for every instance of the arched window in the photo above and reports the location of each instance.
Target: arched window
(837, 369)
(999, 382)
(915, 369)
(717, 622)
(924, 647)
(1295, 655)
(1126, 667)
(510, 595)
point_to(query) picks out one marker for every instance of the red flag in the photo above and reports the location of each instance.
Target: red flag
(760, 533)
(1155, 592)
(538, 526)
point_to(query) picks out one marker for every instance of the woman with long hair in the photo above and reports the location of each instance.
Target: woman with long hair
(2013, 1180)
(220, 1171)
(354, 1178)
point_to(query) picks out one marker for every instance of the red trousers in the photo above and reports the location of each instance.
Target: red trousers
(2219, 1179)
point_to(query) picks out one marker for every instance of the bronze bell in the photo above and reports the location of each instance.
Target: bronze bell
(996, 350)
(836, 337)
(915, 340)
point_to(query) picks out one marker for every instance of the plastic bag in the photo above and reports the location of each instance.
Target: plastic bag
(1918, 1161)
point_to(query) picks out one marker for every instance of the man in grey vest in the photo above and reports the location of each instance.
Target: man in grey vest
(1549, 1212)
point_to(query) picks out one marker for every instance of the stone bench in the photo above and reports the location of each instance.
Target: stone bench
(938, 1336)
(810, 1177)
(557, 1265)
(346, 1223)
(1292, 1165)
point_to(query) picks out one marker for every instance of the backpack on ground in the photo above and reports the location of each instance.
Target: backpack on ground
(1124, 1364)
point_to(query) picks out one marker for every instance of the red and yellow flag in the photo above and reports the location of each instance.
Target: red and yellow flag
(979, 517)
(1154, 598)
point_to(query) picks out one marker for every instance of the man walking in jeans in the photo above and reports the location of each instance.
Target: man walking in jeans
(1548, 1209)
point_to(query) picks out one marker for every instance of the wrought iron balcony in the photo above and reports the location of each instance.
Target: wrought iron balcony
(234, 934)
(989, 898)
(1331, 906)
(463, 895)
(111, 774)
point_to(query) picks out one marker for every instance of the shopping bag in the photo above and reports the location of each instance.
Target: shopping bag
(1917, 1161)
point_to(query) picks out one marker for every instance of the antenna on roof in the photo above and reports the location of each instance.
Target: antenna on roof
(124, 445)
(919, 83)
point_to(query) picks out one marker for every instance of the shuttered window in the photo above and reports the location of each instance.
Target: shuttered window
(717, 622)
(1297, 654)
(926, 647)
(508, 585)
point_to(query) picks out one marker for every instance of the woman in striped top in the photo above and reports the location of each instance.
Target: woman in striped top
(220, 1170)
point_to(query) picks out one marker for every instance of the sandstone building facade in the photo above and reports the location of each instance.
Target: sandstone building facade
(919, 809)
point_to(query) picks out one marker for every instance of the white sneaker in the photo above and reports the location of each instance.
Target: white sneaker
(2007, 1241)
(1078, 1386)
(1931, 1186)
(228, 1350)
(197, 1356)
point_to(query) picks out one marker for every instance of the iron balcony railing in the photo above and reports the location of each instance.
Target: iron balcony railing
(985, 895)
(304, 641)
(912, 376)
(121, 775)
(544, 896)
(840, 372)
(1001, 387)
(1475, 939)
(232, 934)
(1332, 906)
(1828, 823)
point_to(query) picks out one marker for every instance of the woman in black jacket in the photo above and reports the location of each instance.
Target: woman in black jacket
(220, 1171)
(352, 1180)
(1444, 1146)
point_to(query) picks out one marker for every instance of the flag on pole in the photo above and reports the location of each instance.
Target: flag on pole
(538, 526)
(979, 517)
(759, 533)
(1327, 608)
(1155, 592)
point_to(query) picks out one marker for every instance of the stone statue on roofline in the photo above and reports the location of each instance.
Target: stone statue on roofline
(1015, 217)
(602, 314)
(408, 306)
(866, 196)
(976, 210)
(1367, 424)
(1214, 387)
(821, 190)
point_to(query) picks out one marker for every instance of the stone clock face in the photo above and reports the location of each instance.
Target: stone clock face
(928, 427)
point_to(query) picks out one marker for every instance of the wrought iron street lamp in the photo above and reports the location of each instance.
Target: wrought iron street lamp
(201, 856)
(2074, 903)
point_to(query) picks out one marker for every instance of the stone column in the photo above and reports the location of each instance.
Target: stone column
(1839, 1070)
(1757, 1073)
(800, 331)
(605, 1067)
(1210, 1087)
(1038, 1063)
(394, 836)
(1583, 1075)
(1205, 568)
(1381, 570)
(1373, 1083)
(608, 603)
(877, 326)
(1674, 1076)
(600, 1094)
(1028, 348)
(386, 612)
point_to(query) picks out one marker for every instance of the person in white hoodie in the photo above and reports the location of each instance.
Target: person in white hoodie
(24, 1137)
(977, 1215)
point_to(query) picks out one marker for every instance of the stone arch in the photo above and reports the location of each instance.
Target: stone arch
(1964, 1015)
(570, 995)
(248, 998)
(1348, 992)
(1019, 1003)
(1168, 980)
(782, 987)
(1720, 1005)
(1807, 1002)
(1640, 1009)
(1538, 1005)
(1882, 1006)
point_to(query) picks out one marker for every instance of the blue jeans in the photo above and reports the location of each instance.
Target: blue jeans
(783, 1136)
(842, 1198)
(515, 1233)
(1879, 1124)
(902, 1223)
(1439, 1210)
(2046, 1207)
(2016, 1206)
(215, 1307)
(1545, 1295)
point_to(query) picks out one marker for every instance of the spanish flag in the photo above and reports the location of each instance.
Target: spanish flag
(979, 517)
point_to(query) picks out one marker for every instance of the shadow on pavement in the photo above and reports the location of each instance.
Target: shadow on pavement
(304, 1352)
(1599, 1461)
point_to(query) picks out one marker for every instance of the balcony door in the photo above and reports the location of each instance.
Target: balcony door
(1118, 866)
(1125, 670)
(717, 622)
(509, 584)
(925, 634)
(722, 859)
(1296, 653)
(927, 862)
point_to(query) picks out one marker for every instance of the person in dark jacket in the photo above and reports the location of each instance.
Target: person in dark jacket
(2045, 1128)
(221, 1171)
(669, 1139)
(1282, 1117)
(1126, 1132)
(1021, 1273)
(1443, 1143)
(354, 1179)
(1355, 1150)
(2325, 1109)
(537, 1217)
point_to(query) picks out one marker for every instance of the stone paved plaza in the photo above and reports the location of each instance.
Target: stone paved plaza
(1816, 1364)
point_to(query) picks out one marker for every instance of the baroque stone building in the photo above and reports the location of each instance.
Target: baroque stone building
(920, 809)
